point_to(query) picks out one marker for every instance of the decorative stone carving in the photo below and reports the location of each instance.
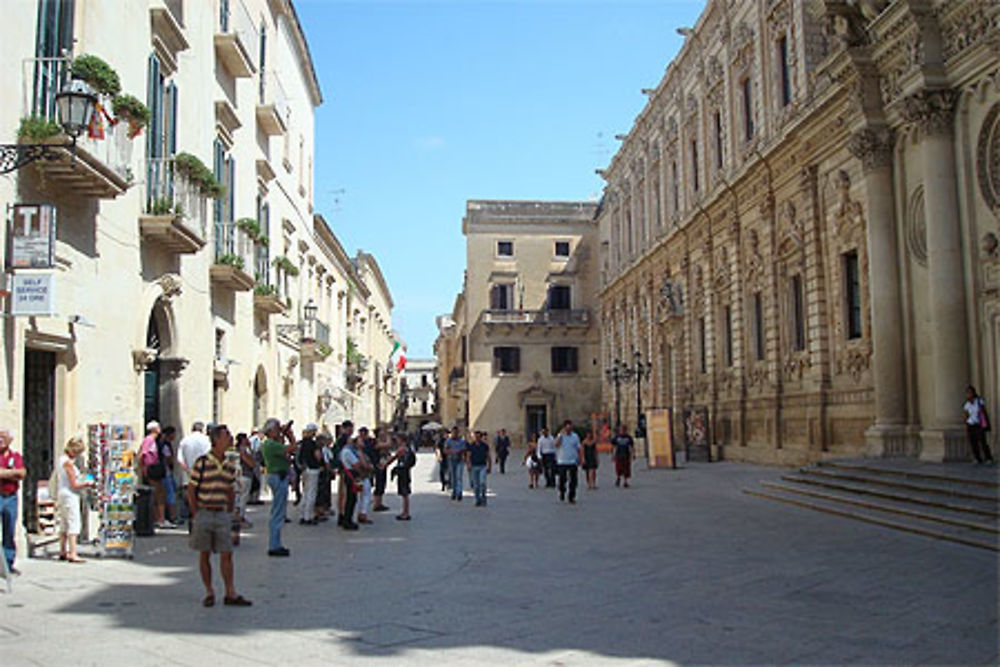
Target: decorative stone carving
(791, 234)
(143, 357)
(721, 267)
(671, 297)
(854, 362)
(754, 262)
(988, 159)
(795, 366)
(170, 286)
(873, 147)
(848, 216)
(916, 226)
(965, 25)
(933, 111)
(172, 367)
(991, 247)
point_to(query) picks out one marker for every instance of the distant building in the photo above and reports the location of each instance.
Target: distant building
(420, 378)
(520, 350)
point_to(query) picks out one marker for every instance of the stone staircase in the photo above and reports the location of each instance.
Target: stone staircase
(954, 502)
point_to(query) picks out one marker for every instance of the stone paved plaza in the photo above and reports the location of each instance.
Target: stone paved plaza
(682, 568)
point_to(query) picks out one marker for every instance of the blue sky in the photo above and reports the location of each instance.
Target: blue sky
(430, 104)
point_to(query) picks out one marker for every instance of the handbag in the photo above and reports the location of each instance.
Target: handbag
(984, 420)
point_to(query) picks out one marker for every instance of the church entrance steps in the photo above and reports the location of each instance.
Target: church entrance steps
(957, 505)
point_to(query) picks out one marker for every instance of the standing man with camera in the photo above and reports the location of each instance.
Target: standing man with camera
(277, 448)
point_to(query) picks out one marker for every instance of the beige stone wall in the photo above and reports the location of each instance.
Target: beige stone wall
(863, 158)
(499, 400)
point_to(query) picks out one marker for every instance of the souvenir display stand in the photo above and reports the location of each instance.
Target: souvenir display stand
(110, 446)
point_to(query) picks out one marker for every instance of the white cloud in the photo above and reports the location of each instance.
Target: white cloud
(431, 143)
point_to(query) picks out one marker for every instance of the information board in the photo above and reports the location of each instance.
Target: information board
(660, 436)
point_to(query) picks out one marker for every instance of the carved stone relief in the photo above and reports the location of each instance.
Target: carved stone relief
(988, 159)
(916, 226)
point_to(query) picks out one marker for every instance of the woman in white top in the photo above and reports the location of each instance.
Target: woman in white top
(70, 482)
(976, 425)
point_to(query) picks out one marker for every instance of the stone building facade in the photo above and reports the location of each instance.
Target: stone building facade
(169, 302)
(800, 229)
(523, 338)
(420, 376)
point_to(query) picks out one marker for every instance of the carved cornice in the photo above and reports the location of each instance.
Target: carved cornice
(932, 111)
(873, 146)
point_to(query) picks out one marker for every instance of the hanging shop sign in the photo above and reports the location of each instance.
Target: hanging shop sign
(32, 294)
(32, 236)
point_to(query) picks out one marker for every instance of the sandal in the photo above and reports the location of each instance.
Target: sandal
(238, 601)
(75, 560)
(209, 600)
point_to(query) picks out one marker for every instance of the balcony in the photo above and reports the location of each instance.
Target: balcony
(272, 105)
(233, 257)
(99, 168)
(174, 210)
(237, 40)
(579, 317)
(167, 31)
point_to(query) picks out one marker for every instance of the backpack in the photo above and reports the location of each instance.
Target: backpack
(410, 458)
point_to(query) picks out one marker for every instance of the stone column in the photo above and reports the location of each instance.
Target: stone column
(873, 147)
(933, 112)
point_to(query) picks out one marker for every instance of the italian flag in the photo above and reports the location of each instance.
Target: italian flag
(401, 361)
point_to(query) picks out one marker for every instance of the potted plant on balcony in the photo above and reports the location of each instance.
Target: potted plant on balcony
(132, 111)
(229, 259)
(196, 172)
(97, 74)
(36, 129)
(282, 263)
(251, 227)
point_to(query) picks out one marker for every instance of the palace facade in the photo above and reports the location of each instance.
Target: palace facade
(800, 231)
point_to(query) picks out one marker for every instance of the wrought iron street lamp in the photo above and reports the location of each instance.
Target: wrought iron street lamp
(638, 371)
(615, 375)
(74, 109)
(304, 329)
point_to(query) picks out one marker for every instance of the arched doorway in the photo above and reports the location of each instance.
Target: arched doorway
(259, 397)
(151, 376)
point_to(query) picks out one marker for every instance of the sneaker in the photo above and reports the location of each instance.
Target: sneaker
(279, 552)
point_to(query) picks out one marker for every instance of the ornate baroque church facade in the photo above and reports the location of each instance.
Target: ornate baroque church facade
(800, 231)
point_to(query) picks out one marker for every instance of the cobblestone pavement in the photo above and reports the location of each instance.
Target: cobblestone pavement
(682, 568)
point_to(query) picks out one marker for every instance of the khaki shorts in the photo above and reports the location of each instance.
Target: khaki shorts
(212, 531)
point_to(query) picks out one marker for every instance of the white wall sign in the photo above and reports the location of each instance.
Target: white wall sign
(33, 236)
(32, 294)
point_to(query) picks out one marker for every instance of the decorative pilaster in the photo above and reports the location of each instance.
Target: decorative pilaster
(873, 147)
(933, 112)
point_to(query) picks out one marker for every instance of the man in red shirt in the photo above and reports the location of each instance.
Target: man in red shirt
(11, 473)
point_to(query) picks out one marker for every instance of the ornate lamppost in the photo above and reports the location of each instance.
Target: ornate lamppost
(615, 375)
(74, 108)
(639, 371)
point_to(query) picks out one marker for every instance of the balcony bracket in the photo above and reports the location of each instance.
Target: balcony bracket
(15, 156)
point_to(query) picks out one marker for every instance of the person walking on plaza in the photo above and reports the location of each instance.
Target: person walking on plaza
(211, 497)
(382, 451)
(624, 451)
(168, 455)
(12, 471)
(245, 481)
(405, 457)
(310, 459)
(345, 434)
(69, 483)
(442, 461)
(454, 450)
(154, 470)
(192, 447)
(369, 457)
(533, 461)
(352, 467)
(567, 460)
(977, 425)
(590, 460)
(324, 499)
(502, 446)
(257, 483)
(480, 465)
(547, 450)
(276, 454)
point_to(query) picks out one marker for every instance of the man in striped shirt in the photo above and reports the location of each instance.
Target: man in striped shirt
(210, 495)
